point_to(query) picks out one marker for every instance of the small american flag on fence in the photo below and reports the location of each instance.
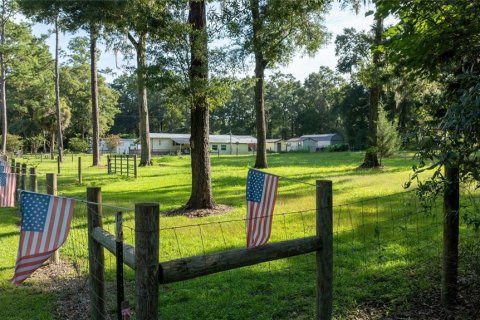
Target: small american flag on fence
(45, 226)
(261, 195)
(8, 184)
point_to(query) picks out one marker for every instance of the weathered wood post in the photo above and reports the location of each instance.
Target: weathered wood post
(128, 165)
(324, 256)
(12, 167)
(146, 260)
(109, 165)
(135, 172)
(23, 179)
(33, 180)
(58, 165)
(80, 170)
(119, 255)
(17, 180)
(121, 164)
(96, 256)
(52, 190)
(115, 163)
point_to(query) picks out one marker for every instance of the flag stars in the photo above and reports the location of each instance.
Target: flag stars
(34, 208)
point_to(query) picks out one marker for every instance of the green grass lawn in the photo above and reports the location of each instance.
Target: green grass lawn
(385, 249)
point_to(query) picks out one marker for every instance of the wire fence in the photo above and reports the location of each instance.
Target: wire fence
(385, 249)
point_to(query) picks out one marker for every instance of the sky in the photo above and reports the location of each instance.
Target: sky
(300, 66)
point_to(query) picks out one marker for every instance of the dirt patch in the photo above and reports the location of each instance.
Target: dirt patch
(220, 209)
(72, 291)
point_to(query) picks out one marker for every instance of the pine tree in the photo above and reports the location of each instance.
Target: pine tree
(387, 136)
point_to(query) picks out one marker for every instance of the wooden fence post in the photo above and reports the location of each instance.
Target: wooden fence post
(109, 165)
(23, 178)
(119, 255)
(128, 165)
(12, 167)
(33, 180)
(58, 165)
(146, 260)
(80, 170)
(95, 255)
(115, 163)
(17, 180)
(324, 256)
(121, 164)
(52, 190)
(135, 172)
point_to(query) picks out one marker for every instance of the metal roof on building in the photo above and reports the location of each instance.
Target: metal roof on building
(314, 137)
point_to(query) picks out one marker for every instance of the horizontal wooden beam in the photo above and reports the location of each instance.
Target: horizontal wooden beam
(107, 240)
(196, 266)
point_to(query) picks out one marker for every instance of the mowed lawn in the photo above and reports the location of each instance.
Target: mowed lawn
(382, 238)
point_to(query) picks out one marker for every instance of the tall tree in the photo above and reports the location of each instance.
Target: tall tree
(438, 40)
(94, 30)
(8, 10)
(272, 31)
(371, 156)
(57, 93)
(201, 196)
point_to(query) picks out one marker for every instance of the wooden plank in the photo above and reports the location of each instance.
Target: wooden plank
(192, 267)
(96, 256)
(146, 260)
(324, 256)
(107, 240)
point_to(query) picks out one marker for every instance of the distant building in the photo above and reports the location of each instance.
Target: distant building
(276, 145)
(313, 142)
(124, 146)
(171, 143)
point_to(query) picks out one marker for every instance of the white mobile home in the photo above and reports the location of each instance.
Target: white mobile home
(172, 143)
(124, 146)
(313, 142)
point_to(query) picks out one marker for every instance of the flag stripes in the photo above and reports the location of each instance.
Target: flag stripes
(261, 197)
(42, 232)
(8, 184)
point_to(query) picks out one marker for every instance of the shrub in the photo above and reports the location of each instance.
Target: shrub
(112, 141)
(337, 147)
(78, 145)
(14, 143)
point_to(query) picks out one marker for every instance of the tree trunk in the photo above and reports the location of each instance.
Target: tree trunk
(94, 93)
(57, 95)
(451, 207)
(3, 102)
(144, 127)
(371, 156)
(201, 196)
(52, 145)
(260, 65)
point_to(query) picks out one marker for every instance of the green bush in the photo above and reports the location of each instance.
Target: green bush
(337, 147)
(78, 145)
(14, 143)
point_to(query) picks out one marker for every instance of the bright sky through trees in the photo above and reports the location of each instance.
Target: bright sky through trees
(300, 67)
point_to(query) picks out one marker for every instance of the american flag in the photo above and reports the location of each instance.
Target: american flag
(261, 195)
(4, 166)
(45, 226)
(8, 184)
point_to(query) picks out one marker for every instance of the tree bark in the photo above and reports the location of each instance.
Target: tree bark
(371, 156)
(94, 93)
(52, 145)
(3, 102)
(144, 126)
(260, 65)
(451, 207)
(57, 95)
(201, 196)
